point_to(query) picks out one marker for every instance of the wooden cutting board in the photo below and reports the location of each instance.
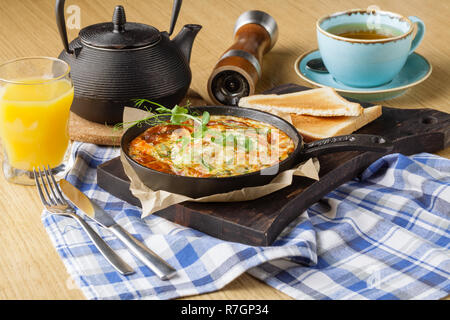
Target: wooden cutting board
(87, 131)
(260, 221)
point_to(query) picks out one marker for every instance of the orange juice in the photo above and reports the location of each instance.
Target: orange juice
(34, 122)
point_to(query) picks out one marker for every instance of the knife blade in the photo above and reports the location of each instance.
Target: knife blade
(161, 268)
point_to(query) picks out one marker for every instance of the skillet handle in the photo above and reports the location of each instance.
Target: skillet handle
(352, 142)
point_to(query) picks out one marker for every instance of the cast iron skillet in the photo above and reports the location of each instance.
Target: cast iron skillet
(200, 187)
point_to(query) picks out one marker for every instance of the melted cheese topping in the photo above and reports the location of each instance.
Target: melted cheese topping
(230, 146)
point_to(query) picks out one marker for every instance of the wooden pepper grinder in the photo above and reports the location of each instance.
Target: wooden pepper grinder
(239, 69)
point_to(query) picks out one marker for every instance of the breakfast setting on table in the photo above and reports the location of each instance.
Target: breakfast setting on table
(206, 149)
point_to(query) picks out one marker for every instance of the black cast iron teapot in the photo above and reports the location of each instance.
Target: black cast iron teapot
(115, 62)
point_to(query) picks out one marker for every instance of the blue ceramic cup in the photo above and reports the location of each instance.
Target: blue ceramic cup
(367, 62)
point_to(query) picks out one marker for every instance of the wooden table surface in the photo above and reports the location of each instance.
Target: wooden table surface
(29, 265)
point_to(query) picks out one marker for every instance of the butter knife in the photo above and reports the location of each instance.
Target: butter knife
(161, 268)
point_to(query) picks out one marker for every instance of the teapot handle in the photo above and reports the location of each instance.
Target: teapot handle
(175, 11)
(61, 22)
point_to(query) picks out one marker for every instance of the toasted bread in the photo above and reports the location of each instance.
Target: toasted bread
(322, 102)
(315, 128)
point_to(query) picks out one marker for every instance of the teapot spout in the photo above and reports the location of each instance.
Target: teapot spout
(185, 38)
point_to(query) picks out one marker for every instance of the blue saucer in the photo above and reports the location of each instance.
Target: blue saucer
(416, 70)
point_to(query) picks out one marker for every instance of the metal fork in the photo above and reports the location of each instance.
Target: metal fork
(54, 201)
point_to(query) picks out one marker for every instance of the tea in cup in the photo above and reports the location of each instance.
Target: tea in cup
(367, 48)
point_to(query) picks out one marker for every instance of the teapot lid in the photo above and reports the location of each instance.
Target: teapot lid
(119, 34)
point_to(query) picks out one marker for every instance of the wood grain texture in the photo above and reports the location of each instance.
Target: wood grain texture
(253, 39)
(30, 267)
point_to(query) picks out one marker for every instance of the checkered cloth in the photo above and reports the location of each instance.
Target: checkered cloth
(384, 235)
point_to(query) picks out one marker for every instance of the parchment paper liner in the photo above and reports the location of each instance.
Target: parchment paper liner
(155, 200)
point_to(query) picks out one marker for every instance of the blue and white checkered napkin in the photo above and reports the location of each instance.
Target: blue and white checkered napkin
(382, 236)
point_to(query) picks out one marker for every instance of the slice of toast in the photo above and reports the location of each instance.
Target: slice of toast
(316, 128)
(322, 102)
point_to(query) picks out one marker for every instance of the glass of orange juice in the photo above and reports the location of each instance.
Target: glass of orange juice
(35, 98)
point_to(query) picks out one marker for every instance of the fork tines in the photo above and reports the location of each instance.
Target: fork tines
(54, 197)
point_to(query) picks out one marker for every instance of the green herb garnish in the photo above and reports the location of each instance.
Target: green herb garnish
(248, 144)
(206, 165)
(178, 115)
